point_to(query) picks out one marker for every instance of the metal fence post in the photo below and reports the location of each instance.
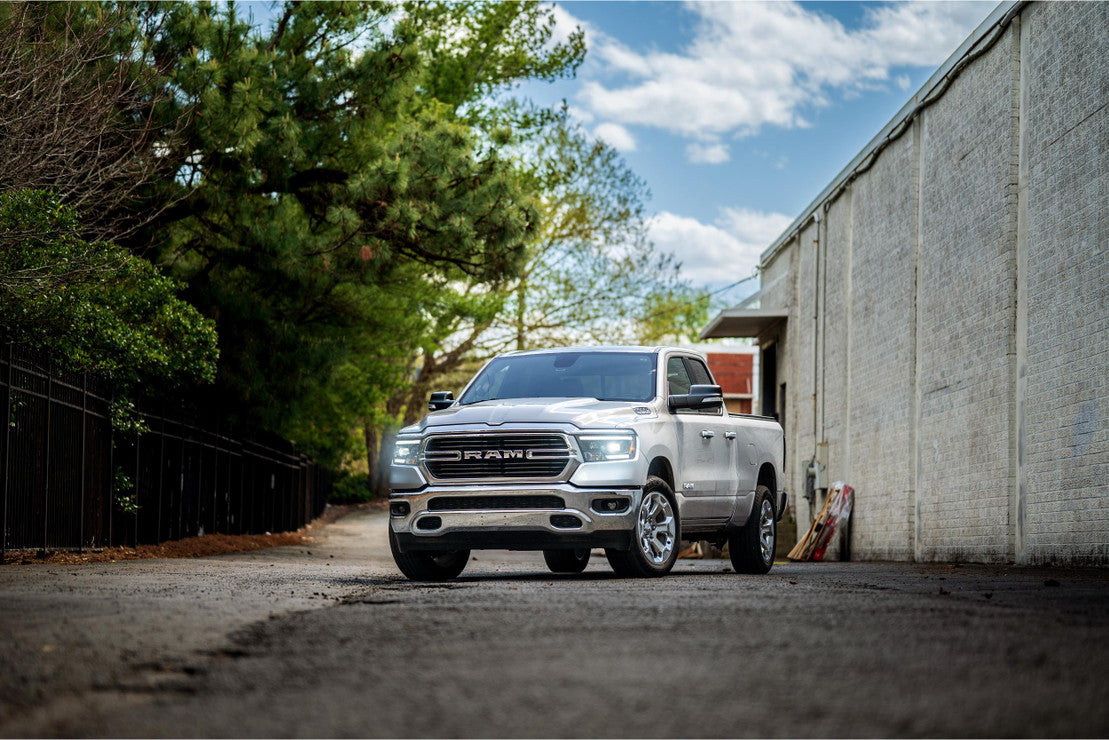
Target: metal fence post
(242, 490)
(161, 477)
(46, 482)
(180, 485)
(135, 499)
(109, 504)
(199, 475)
(215, 478)
(7, 454)
(84, 424)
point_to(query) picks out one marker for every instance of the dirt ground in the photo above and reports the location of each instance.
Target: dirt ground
(194, 547)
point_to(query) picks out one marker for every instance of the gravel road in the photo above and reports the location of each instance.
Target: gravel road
(331, 641)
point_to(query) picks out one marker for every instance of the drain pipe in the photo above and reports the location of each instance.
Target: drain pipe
(813, 477)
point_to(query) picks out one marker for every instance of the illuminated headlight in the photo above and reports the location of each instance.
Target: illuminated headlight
(405, 452)
(605, 447)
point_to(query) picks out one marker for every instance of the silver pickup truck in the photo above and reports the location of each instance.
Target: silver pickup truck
(628, 449)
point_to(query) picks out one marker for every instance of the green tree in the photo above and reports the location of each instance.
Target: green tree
(332, 181)
(589, 276)
(95, 305)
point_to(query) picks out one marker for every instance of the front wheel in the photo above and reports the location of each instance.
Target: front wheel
(567, 561)
(656, 535)
(752, 546)
(430, 565)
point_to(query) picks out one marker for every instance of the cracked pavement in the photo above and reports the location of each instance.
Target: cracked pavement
(329, 640)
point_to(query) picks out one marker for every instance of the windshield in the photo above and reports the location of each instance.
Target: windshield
(606, 376)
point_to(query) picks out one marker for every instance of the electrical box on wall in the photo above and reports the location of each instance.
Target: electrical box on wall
(816, 475)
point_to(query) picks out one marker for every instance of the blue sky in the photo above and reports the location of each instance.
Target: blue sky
(738, 113)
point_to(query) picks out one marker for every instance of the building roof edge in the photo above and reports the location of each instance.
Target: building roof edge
(967, 51)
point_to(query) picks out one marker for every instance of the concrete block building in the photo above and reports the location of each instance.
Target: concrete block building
(934, 326)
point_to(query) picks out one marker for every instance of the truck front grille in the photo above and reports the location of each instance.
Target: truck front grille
(494, 503)
(497, 456)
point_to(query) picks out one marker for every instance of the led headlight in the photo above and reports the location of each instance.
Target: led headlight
(405, 451)
(606, 447)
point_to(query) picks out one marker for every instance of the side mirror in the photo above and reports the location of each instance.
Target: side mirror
(440, 400)
(699, 398)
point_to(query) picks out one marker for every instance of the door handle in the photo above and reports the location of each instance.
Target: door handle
(729, 435)
(706, 434)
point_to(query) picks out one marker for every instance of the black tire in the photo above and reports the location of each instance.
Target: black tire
(655, 538)
(428, 565)
(567, 561)
(749, 551)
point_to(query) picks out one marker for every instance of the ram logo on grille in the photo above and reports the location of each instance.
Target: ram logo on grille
(516, 455)
(493, 455)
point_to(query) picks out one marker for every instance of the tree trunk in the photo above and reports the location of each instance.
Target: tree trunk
(379, 477)
(373, 449)
(416, 403)
(521, 310)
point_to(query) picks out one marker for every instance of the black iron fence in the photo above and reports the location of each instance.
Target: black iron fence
(67, 481)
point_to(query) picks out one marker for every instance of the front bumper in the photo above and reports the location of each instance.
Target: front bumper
(454, 521)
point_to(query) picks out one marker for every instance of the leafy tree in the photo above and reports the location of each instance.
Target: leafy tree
(332, 180)
(589, 276)
(95, 305)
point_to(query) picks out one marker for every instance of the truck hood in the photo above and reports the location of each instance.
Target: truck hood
(583, 413)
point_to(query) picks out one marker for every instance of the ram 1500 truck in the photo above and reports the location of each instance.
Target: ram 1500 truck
(628, 449)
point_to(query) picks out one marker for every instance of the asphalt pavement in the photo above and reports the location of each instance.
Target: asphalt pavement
(330, 640)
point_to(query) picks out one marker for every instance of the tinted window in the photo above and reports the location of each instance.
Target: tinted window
(677, 377)
(698, 373)
(606, 376)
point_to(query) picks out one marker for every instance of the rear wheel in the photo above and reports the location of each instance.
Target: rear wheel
(428, 565)
(655, 546)
(752, 546)
(567, 561)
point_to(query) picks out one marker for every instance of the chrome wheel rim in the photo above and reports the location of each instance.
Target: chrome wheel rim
(656, 530)
(766, 531)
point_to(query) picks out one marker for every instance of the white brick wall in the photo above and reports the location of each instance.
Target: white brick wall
(967, 269)
(976, 247)
(882, 283)
(1066, 416)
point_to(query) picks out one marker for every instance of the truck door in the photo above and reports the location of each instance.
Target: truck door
(729, 451)
(705, 455)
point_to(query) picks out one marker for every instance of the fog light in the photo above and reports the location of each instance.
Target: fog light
(610, 505)
(399, 508)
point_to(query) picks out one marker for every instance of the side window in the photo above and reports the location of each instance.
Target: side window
(698, 373)
(677, 377)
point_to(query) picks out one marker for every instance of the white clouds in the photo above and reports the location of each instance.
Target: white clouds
(921, 33)
(566, 24)
(580, 114)
(752, 65)
(707, 153)
(726, 250)
(616, 136)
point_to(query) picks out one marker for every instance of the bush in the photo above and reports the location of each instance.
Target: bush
(95, 305)
(351, 488)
